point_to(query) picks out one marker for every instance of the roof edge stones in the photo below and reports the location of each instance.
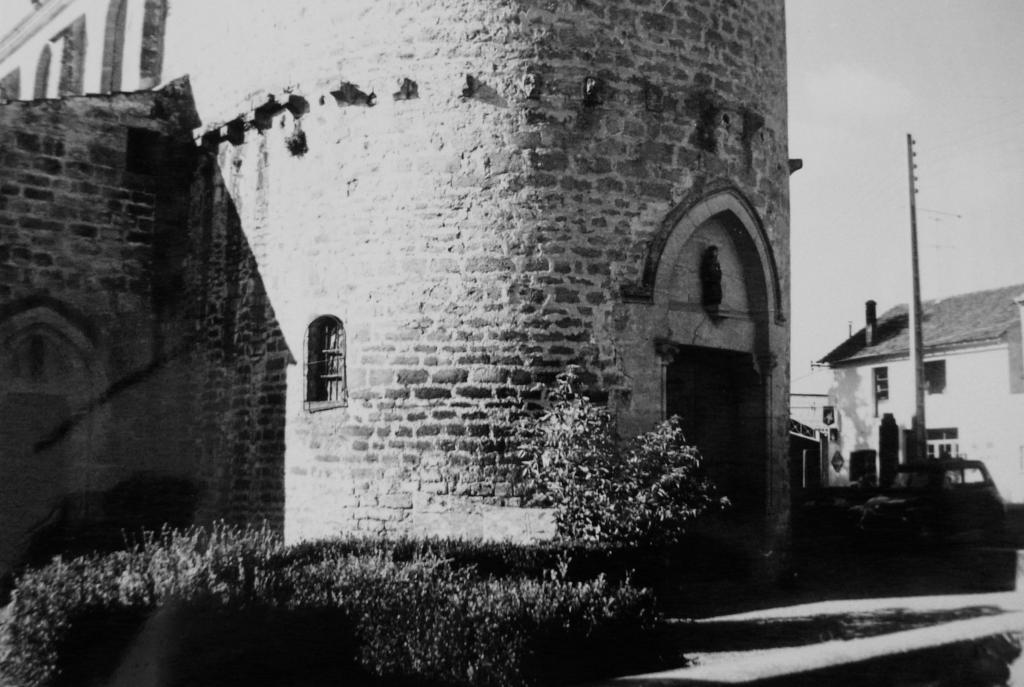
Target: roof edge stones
(166, 101)
(28, 26)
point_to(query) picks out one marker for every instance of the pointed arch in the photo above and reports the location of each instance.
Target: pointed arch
(113, 46)
(151, 61)
(42, 73)
(728, 204)
(10, 85)
(35, 333)
(73, 42)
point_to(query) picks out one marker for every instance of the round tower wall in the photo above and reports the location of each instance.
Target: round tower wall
(500, 217)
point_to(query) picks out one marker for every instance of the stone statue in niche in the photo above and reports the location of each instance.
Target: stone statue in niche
(532, 83)
(591, 91)
(711, 280)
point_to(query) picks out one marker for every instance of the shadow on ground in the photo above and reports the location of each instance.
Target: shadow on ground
(989, 662)
(769, 633)
(837, 567)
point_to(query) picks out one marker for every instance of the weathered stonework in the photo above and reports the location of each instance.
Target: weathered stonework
(474, 245)
(91, 390)
(532, 187)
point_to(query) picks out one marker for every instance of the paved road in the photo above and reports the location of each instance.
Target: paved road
(941, 617)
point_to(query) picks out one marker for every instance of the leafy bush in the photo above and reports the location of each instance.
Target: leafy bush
(641, 492)
(364, 611)
(225, 566)
(667, 569)
(96, 521)
(424, 621)
(487, 559)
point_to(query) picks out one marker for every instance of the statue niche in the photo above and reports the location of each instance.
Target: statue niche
(711, 280)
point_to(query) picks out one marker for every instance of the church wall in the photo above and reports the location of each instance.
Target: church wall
(81, 231)
(240, 356)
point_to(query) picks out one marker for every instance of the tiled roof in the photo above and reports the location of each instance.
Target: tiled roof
(958, 320)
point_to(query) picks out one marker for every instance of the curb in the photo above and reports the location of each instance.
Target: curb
(737, 667)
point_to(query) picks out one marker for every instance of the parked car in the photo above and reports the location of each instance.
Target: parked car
(936, 500)
(829, 512)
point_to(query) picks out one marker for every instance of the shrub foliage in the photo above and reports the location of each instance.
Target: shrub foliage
(398, 613)
(639, 492)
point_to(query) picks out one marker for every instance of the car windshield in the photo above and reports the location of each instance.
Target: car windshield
(931, 478)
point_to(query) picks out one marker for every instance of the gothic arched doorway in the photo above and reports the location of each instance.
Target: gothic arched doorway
(707, 332)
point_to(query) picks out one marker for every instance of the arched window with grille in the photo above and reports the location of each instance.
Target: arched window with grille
(326, 383)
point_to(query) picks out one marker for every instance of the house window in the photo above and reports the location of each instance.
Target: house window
(935, 376)
(326, 385)
(881, 378)
(943, 443)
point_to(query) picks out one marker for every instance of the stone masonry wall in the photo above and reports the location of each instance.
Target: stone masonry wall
(493, 213)
(81, 227)
(474, 234)
(242, 355)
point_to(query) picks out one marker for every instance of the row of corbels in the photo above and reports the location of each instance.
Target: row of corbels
(262, 117)
(593, 92)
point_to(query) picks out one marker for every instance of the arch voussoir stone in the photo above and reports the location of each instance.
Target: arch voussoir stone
(679, 226)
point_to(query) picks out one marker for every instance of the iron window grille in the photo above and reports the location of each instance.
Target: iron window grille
(326, 379)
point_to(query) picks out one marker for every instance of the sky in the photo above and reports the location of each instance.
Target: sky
(11, 11)
(862, 75)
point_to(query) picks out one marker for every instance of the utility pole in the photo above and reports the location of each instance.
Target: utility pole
(919, 450)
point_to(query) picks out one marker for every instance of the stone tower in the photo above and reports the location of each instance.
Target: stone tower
(408, 217)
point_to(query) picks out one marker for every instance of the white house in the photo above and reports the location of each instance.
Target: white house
(974, 405)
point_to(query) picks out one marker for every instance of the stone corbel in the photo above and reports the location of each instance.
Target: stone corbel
(764, 364)
(666, 351)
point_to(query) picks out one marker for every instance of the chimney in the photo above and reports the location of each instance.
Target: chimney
(870, 324)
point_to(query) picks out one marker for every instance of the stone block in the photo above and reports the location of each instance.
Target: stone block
(432, 392)
(407, 376)
(449, 376)
(471, 391)
(487, 375)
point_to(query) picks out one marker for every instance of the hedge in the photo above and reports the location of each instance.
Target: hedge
(248, 610)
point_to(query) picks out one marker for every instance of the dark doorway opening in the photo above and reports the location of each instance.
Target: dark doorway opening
(33, 471)
(719, 397)
(804, 463)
